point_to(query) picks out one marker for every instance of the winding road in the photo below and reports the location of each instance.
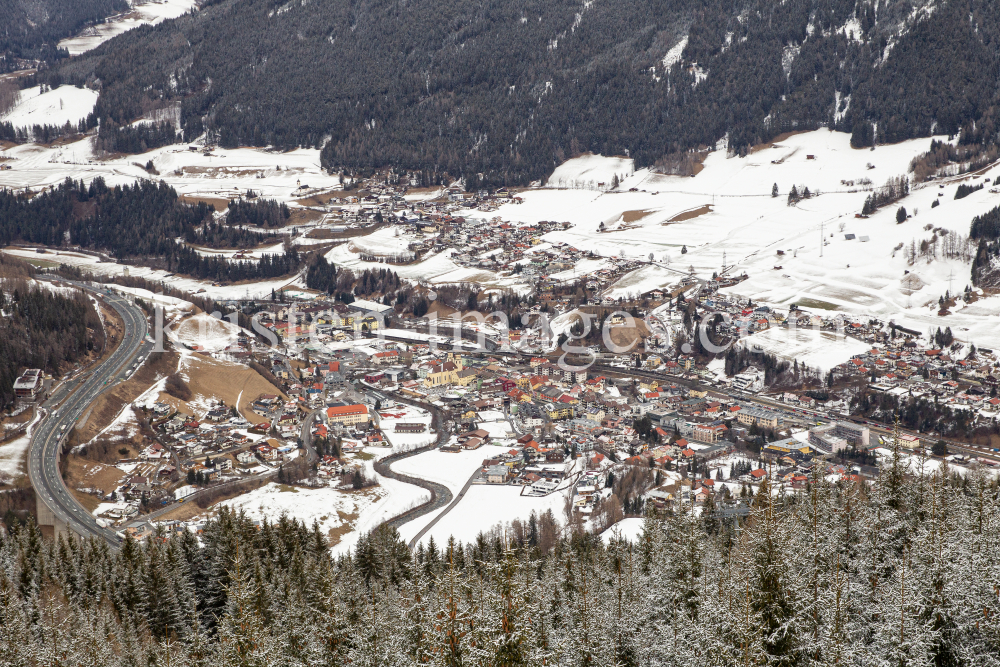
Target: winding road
(73, 398)
(440, 495)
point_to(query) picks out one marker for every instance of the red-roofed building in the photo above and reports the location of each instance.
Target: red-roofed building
(347, 414)
(386, 357)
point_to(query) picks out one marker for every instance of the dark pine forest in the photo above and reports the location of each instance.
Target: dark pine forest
(143, 222)
(500, 92)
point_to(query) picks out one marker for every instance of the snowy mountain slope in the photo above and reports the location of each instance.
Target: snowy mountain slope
(516, 88)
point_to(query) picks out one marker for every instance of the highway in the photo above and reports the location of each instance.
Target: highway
(65, 407)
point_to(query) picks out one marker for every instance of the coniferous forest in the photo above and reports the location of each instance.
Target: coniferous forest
(40, 328)
(986, 229)
(258, 213)
(32, 29)
(904, 572)
(134, 138)
(500, 92)
(141, 222)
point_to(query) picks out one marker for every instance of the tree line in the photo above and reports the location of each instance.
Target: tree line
(140, 222)
(894, 189)
(739, 358)
(965, 189)
(900, 572)
(914, 413)
(342, 283)
(258, 213)
(45, 133)
(137, 138)
(186, 260)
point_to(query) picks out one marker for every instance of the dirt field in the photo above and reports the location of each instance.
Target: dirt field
(82, 473)
(627, 336)
(321, 233)
(17, 421)
(219, 203)
(302, 216)
(211, 379)
(441, 309)
(691, 214)
(777, 140)
(334, 535)
(326, 233)
(314, 200)
(184, 511)
(636, 215)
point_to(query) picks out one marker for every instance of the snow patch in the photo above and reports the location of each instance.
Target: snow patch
(629, 530)
(590, 172)
(65, 104)
(675, 53)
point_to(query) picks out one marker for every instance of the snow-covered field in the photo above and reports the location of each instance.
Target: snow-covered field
(407, 414)
(274, 249)
(590, 172)
(398, 497)
(494, 423)
(820, 350)
(329, 507)
(385, 241)
(172, 306)
(484, 506)
(349, 513)
(142, 13)
(433, 268)
(65, 104)
(221, 174)
(222, 292)
(452, 469)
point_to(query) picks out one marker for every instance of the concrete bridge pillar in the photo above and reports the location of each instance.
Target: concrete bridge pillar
(50, 525)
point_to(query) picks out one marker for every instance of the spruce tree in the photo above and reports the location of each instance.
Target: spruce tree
(244, 639)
